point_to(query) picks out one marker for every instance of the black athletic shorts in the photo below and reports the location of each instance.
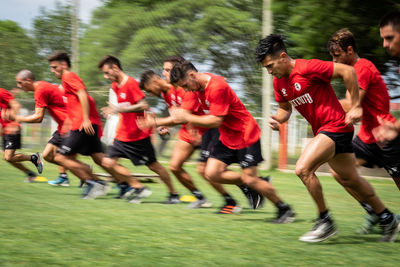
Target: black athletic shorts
(56, 139)
(140, 152)
(208, 141)
(343, 141)
(387, 157)
(11, 141)
(246, 157)
(79, 142)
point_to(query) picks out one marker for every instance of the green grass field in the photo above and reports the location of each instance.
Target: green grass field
(46, 226)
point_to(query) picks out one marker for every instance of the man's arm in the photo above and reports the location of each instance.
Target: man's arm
(282, 115)
(84, 101)
(206, 121)
(346, 102)
(349, 76)
(33, 118)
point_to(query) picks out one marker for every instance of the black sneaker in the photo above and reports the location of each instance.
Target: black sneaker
(284, 215)
(228, 209)
(390, 230)
(37, 161)
(172, 199)
(322, 230)
(256, 200)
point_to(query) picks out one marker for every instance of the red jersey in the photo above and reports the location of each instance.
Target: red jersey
(129, 94)
(239, 129)
(5, 98)
(50, 96)
(71, 84)
(376, 101)
(189, 101)
(309, 90)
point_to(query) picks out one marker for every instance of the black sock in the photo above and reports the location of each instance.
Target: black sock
(174, 194)
(367, 208)
(198, 194)
(325, 215)
(385, 217)
(63, 175)
(282, 205)
(229, 200)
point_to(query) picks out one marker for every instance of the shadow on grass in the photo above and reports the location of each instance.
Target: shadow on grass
(351, 239)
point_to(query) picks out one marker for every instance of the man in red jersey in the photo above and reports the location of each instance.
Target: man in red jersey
(187, 138)
(11, 132)
(375, 102)
(130, 141)
(389, 27)
(85, 129)
(305, 84)
(47, 96)
(239, 140)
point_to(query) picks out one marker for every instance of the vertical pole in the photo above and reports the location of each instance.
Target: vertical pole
(75, 36)
(283, 146)
(266, 92)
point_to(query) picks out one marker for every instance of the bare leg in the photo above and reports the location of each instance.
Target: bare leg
(163, 173)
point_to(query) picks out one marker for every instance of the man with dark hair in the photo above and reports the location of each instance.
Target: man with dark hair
(390, 33)
(11, 132)
(47, 96)
(188, 139)
(305, 84)
(85, 127)
(375, 102)
(130, 141)
(239, 140)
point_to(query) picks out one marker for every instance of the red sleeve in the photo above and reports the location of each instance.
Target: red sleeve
(190, 101)
(364, 76)
(41, 97)
(219, 98)
(136, 93)
(5, 97)
(74, 82)
(277, 91)
(319, 70)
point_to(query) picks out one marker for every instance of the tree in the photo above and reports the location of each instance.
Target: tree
(217, 35)
(17, 52)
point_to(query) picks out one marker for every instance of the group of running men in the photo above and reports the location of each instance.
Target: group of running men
(213, 117)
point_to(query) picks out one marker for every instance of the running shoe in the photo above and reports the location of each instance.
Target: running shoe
(256, 200)
(200, 203)
(139, 195)
(96, 189)
(172, 199)
(390, 230)
(60, 181)
(284, 215)
(322, 230)
(37, 161)
(370, 221)
(228, 209)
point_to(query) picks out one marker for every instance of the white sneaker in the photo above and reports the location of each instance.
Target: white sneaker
(322, 230)
(201, 203)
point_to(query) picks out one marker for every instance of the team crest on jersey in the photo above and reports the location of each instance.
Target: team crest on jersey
(122, 95)
(297, 86)
(284, 92)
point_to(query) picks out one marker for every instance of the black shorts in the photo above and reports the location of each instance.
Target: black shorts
(56, 139)
(246, 157)
(387, 157)
(343, 141)
(140, 152)
(11, 141)
(79, 142)
(208, 141)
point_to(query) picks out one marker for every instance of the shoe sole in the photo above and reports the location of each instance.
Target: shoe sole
(316, 240)
(39, 167)
(235, 210)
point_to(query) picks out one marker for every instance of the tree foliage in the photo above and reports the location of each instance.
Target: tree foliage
(17, 52)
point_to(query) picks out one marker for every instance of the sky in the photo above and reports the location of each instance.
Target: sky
(23, 11)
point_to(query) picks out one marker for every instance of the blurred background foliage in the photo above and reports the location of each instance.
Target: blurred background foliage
(219, 36)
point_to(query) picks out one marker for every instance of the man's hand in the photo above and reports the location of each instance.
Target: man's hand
(87, 127)
(385, 133)
(111, 109)
(178, 114)
(148, 121)
(274, 123)
(354, 115)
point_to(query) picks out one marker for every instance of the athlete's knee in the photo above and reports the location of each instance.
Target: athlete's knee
(174, 167)
(212, 175)
(107, 163)
(48, 157)
(302, 171)
(8, 157)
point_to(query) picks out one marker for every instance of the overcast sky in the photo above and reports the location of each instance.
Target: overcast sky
(23, 11)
